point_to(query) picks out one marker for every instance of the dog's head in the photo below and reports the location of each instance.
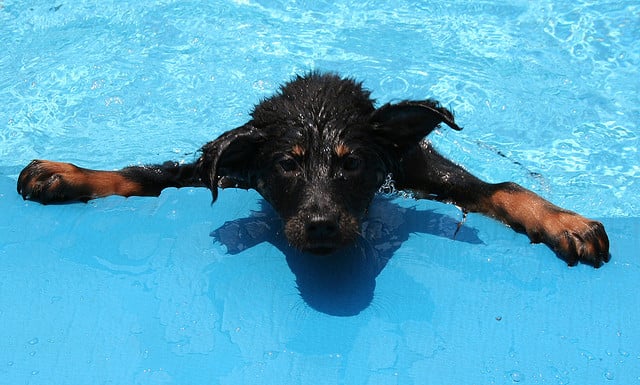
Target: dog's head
(318, 151)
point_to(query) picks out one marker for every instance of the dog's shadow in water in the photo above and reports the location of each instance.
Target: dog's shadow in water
(343, 283)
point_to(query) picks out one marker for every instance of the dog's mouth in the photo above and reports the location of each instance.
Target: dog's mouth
(320, 249)
(321, 237)
(323, 247)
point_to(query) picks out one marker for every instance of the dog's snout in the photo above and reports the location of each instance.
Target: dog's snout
(321, 232)
(322, 228)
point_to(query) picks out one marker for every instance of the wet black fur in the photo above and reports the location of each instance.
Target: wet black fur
(318, 151)
(323, 194)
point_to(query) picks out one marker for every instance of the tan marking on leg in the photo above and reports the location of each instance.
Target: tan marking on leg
(104, 183)
(573, 236)
(518, 209)
(100, 183)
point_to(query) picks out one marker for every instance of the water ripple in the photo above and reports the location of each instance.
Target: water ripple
(551, 84)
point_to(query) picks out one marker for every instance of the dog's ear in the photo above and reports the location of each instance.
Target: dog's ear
(407, 123)
(229, 161)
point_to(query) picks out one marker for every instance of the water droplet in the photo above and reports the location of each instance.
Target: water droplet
(389, 186)
(271, 355)
(609, 375)
(34, 341)
(516, 376)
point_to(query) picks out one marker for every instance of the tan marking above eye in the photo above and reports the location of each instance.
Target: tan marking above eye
(298, 150)
(342, 150)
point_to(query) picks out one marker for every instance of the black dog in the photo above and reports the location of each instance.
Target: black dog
(318, 151)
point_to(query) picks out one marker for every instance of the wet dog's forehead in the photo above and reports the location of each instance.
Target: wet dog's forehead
(318, 118)
(315, 101)
(313, 136)
(322, 143)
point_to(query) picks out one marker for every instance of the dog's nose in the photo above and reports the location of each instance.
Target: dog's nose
(322, 228)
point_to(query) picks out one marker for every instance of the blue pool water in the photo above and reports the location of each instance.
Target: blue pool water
(170, 290)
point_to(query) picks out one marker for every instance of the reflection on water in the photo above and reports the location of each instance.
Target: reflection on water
(343, 283)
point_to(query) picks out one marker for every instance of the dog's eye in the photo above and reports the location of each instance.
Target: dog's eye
(351, 163)
(288, 165)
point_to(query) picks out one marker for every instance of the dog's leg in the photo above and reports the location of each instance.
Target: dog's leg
(54, 182)
(574, 238)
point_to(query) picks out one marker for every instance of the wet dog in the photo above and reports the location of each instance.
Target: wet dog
(318, 151)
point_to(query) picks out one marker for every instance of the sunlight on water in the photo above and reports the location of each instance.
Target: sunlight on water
(170, 290)
(551, 86)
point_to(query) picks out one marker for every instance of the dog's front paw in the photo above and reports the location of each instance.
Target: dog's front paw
(51, 182)
(577, 239)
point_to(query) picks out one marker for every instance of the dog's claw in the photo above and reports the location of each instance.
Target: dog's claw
(44, 181)
(578, 239)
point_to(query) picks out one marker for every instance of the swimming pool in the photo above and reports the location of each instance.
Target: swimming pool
(172, 291)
